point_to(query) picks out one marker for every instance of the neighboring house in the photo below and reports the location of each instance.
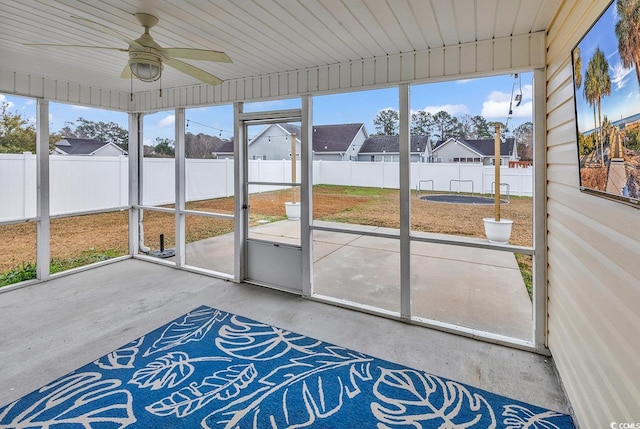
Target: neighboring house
(224, 150)
(474, 151)
(86, 147)
(339, 142)
(274, 142)
(387, 148)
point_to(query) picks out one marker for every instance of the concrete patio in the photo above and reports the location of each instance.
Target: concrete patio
(475, 288)
(54, 327)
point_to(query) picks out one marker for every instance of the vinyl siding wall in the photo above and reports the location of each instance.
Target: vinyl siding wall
(452, 150)
(277, 147)
(593, 256)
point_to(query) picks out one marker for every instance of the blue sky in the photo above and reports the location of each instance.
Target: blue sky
(489, 97)
(624, 100)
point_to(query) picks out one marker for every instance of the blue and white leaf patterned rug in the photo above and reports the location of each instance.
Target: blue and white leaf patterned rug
(213, 369)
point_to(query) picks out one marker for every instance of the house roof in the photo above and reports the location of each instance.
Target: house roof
(74, 146)
(335, 138)
(391, 144)
(326, 138)
(288, 128)
(484, 147)
(225, 146)
(291, 129)
(487, 146)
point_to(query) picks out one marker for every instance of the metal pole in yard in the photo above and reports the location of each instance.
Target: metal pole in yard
(496, 191)
(293, 165)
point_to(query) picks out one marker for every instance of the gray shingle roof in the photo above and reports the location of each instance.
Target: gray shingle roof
(486, 147)
(73, 146)
(290, 128)
(334, 138)
(391, 144)
(225, 146)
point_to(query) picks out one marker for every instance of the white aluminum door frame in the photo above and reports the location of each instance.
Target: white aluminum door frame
(255, 259)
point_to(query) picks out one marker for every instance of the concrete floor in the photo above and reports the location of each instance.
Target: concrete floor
(475, 288)
(51, 328)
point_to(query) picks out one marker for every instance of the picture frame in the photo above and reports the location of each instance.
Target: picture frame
(606, 84)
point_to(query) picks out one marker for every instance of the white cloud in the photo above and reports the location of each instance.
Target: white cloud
(147, 142)
(496, 106)
(452, 109)
(168, 120)
(76, 107)
(3, 99)
(620, 76)
(524, 110)
(495, 109)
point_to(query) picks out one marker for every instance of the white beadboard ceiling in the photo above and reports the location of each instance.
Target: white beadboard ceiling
(261, 36)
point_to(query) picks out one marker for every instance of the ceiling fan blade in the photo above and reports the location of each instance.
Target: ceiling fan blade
(198, 54)
(107, 30)
(47, 45)
(126, 72)
(192, 71)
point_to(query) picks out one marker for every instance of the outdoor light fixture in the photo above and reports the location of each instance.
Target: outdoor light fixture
(518, 99)
(145, 66)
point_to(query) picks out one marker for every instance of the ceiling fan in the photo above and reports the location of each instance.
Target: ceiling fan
(147, 58)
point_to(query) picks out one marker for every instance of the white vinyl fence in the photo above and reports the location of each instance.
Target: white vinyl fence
(79, 184)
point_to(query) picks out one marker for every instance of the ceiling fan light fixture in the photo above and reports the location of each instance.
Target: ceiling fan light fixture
(145, 66)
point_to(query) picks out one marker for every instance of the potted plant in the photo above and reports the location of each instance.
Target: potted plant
(498, 230)
(292, 208)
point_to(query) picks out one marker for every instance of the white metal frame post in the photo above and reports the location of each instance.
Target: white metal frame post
(306, 195)
(43, 240)
(240, 192)
(540, 211)
(405, 202)
(134, 183)
(180, 187)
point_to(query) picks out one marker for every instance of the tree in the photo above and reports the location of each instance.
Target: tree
(586, 145)
(164, 147)
(421, 123)
(18, 134)
(577, 67)
(466, 129)
(481, 128)
(386, 122)
(504, 128)
(200, 146)
(589, 95)
(109, 132)
(523, 135)
(627, 30)
(445, 126)
(597, 85)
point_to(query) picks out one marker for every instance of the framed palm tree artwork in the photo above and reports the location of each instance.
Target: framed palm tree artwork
(606, 78)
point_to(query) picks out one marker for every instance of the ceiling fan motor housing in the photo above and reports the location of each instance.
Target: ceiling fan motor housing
(146, 66)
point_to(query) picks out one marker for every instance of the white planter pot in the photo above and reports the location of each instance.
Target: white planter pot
(292, 210)
(497, 232)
